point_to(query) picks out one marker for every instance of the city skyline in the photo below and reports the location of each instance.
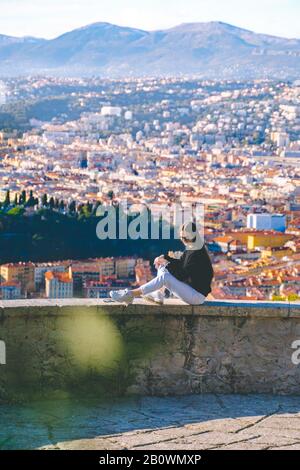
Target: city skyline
(50, 19)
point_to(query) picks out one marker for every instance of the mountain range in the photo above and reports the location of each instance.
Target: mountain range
(207, 50)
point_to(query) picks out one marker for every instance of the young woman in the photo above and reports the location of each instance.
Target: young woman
(188, 278)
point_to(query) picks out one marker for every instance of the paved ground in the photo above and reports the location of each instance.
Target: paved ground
(280, 432)
(190, 422)
(207, 422)
(243, 434)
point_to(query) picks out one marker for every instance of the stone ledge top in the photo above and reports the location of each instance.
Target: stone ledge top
(231, 308)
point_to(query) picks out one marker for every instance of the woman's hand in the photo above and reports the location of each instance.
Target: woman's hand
(160, 261)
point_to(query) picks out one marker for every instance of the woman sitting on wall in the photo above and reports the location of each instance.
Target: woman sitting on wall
(188, 278)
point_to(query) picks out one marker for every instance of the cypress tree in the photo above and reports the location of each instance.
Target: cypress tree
(7, 198)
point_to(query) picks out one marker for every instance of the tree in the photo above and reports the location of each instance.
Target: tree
(51, 203)
(85, 210)
(23, 196)
(72, 207)
(45, 200)
(16, 200)
(7, 198)
(31, 201)
(16, 211)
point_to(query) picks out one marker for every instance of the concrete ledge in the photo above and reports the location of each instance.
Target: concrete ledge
(170, 307)
(81, 346)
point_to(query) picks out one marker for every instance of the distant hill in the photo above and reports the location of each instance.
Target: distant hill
(209, 50)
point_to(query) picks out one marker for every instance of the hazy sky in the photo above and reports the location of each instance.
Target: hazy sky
(49, 18)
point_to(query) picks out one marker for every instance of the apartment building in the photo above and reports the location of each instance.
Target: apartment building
(18, 273)
(58, 285)
(125, 267)
(10, 291)
(143, 271)
(40, 270)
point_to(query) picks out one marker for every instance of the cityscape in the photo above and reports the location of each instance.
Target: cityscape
(149, 230)
(233, 146)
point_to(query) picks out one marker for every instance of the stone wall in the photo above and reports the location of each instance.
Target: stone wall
(89, 348)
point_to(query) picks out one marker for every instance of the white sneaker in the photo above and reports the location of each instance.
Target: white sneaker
(156, 298)
(125, 296)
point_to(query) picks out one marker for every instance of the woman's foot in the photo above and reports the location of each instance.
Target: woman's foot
(125, 296)
(156, 298)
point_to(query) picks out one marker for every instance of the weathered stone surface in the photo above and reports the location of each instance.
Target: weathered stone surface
(182, 422)
(273, 430)
(84, 346)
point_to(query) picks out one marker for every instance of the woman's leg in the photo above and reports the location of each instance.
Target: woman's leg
(180, 289)
(151, 286)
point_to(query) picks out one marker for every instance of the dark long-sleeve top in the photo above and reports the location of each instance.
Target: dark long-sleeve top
(194, 268)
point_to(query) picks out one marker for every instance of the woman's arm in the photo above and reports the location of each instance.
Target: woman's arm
(175, 267)
(160, 261)
(177, 261)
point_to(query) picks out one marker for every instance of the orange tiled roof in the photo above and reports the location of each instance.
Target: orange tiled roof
(62, 277)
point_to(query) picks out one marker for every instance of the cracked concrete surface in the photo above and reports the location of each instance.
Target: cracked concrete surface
(207, 422)
(214, 435)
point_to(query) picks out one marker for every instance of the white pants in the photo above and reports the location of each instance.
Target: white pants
(180, 289)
